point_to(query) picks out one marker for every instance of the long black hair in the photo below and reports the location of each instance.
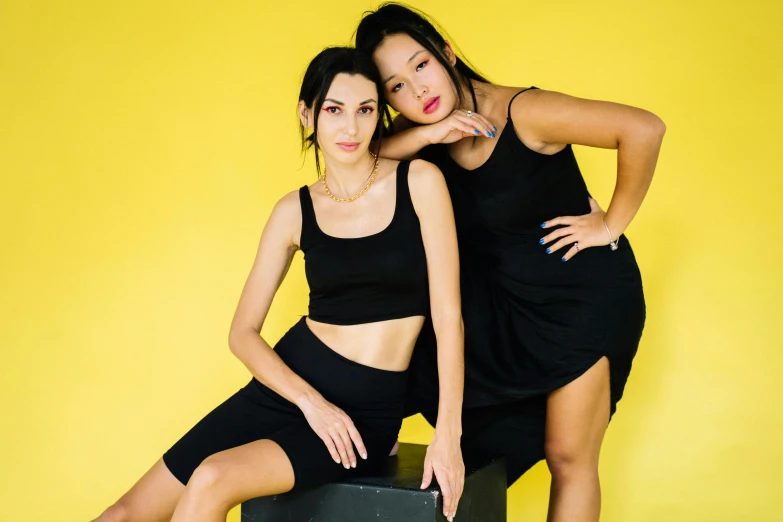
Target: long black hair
(395, 18)
(318, 79)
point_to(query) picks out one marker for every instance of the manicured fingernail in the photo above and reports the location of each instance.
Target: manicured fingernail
(543, 225)
(477, 132)
(494, 128)
(563, 259)
(540, 241)
(548, 250)
(353, 464)
(364, 455)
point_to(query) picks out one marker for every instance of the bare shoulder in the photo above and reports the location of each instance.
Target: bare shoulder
(537, 102)
(504, 97)
(426, 183)
(286, 219)
(534, 108)
(288, 207)
(423, 172)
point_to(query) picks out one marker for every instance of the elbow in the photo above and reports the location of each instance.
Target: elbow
(646, 130)
(448, 320)
(233, 342)
(652, 128)
(236, 338)
(657, 127)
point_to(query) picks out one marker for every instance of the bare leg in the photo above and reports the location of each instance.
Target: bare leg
(395, 449)
(152, 499)
(577, 417)
(230, 477)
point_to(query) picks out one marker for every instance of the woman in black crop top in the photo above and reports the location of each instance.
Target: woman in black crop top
(328, 401)
(552, 296)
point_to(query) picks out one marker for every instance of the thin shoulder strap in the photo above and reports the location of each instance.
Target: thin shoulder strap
(513, 97)
(308, 217)
(403, 189)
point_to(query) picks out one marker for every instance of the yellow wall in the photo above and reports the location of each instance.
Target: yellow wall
(142, 145)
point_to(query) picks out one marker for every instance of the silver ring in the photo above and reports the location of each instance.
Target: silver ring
(470, 114)
(577, 246)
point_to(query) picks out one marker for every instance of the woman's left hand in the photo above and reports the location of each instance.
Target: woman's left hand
(444, 459)
(579, 232)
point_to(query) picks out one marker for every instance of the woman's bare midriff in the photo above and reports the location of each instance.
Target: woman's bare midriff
(386, 345)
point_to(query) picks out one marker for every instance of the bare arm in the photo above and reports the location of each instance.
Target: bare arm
(548, 119)
(406, 142)
(408, 139)
(433, 206)
(279, 243)
(275, 252)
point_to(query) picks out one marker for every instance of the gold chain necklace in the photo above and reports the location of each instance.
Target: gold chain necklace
(370, 181)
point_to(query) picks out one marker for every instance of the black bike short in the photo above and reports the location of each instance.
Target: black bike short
(373, 398)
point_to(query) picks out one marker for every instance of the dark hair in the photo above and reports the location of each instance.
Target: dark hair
(394, 18)
(319, 77)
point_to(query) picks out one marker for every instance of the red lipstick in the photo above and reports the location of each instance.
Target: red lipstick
(431, 105)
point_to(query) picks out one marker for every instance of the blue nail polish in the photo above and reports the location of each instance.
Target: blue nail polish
(540, 241)
(563, 259)
(494, 128)
(548, 250)
(493, 134)
(477, 132)
(543, 225)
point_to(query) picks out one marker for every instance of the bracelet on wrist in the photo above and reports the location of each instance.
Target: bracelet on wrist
(613, 243)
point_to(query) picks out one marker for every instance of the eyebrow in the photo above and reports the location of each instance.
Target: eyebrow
(417, 53)
(369, 100)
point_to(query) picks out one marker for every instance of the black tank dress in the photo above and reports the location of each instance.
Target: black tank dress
(532, 322)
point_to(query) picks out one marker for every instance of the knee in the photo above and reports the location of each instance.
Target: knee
(204, 482)
(566, 460)
(118, 512)
(206, 488)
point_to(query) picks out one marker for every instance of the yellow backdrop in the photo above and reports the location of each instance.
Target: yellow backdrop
(143, 144)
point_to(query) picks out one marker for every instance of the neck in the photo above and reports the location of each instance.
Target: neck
(346, 178)
(483, 93)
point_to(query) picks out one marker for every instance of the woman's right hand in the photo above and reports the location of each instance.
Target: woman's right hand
(335, 428)
(457, 126)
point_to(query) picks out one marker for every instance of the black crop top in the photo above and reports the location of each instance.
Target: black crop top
(366, 279)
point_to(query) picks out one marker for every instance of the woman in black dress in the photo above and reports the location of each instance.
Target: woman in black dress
(552, 296)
